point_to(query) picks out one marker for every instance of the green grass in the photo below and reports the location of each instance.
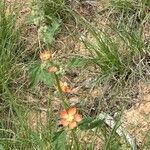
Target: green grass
(10, 71)
(120, 61)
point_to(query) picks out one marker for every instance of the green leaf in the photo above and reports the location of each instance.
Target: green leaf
(1, 147)
(89, 123)
(76, 62)
(38, 74)
(34, 74)
(56, 135)
(48, 32)
(46, 77)
(59, 140)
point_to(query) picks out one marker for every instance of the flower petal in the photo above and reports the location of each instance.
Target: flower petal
(52, 69)
(64, 122)
(72, 125)
(45, 55)
(77, 117)
(70, 118)
(72, 111)
(63, 115)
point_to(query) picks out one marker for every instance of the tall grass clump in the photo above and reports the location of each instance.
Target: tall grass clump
(10, 71)
(131, 14)
(56, 8)
(9, 39)
(119, 53)
(130, 19)
(10, 45)
(104, 52)
(14, 130)
(129, 24)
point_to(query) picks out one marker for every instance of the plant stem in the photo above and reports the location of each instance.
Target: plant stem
(76, 140)
(64, 104)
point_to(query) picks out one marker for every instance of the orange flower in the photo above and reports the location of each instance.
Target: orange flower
(77, 117)
(52, 69)
(45, 55)
(72, 125)
(70, 118)
(64, 122)
(64, 87)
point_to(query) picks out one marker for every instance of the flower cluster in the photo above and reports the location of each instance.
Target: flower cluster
(70, 118)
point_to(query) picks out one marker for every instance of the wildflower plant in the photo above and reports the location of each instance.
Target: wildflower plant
(47, 71)
(70, 118)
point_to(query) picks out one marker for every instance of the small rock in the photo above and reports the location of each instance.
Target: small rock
(95, 93)
(74, 100)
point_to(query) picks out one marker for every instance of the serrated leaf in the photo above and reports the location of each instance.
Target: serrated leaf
(48, 32)
(38, 74)
(46, 77)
